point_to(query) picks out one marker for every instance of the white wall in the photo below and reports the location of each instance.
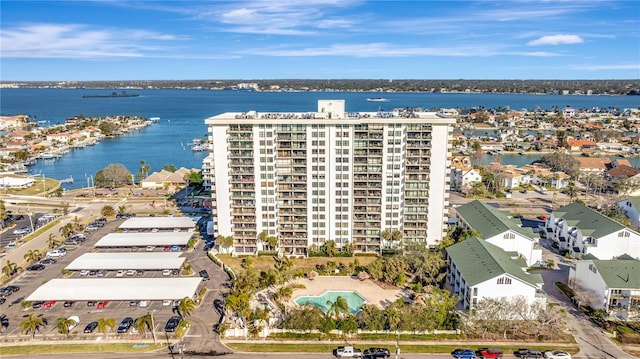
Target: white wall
(221, 175)
(521, 244)
(491, 289)
(438, 183)
(611, 246)
(586, 279)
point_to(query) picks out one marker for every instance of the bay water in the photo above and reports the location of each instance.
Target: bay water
(182, 113)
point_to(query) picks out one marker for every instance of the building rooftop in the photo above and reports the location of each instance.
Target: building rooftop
(620, 273)
(590, 222)
(489, 221)
(479, 261)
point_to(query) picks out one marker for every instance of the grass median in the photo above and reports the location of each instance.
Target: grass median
(78, 348)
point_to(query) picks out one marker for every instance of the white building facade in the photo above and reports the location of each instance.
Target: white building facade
(310, 177)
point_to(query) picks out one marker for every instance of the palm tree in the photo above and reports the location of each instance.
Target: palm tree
(31, 325)
(186, 307)
(226, 242)
(67, 230)
(32, 255)
(64, 325)
(340, 305)
(104, 323)
(143, 323)
(52, 242)
(181, 330)
(9, 269)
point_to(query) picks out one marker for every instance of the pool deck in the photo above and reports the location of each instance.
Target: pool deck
(367, 289)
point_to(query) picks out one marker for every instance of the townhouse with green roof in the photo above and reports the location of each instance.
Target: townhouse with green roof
(477, 269)
(631, 208)
(501, 229)
(613, 284)
(579, 230)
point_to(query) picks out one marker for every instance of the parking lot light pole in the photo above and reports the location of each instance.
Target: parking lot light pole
(153, 327)
(30, 214)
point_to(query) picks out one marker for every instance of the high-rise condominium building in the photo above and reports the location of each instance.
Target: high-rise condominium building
(307, 178)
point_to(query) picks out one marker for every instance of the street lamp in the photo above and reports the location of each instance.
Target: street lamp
(30, 220)
(153, 327)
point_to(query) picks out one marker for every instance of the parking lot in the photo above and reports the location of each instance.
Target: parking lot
(89, 311)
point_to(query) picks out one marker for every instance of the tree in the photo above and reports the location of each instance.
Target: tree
(9, 269)
(52, 241)
(339, 306)
(65, 208)
(3, 214)
(169, 168)
(142, 171)
(105, 324)
(226, 242)
(185, 307)
(108, 211)
(114, 175)
(32, 255)
(64, 325)
(194, 178)
(66, 231)
(31, 325)
(560, 161)
(144, 323)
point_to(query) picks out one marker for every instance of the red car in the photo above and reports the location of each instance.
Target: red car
(102, 304)
(49, 304)
(489, 353)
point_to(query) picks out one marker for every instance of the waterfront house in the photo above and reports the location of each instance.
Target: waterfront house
(19, 121)
(463, 176)
(500, 229)
(579, 145)
(613, 285)
(579, 230)
(477, 269)
(596, 165)
(165, 179)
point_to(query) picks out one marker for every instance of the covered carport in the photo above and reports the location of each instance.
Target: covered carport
(144, 239)
(114, 289)
(158, 223)
(127, 260)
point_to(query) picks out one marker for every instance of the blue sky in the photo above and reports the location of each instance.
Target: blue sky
(318, 39)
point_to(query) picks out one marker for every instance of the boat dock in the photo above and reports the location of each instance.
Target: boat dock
(67, 180)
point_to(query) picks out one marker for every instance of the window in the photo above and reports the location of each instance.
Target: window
(504, 280)
(509, 236)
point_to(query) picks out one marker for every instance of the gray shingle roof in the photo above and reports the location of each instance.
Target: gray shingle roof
(478, 261)
(489, 221)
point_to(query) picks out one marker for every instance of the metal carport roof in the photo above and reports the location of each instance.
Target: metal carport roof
(116, 289)
(135, 239)
(158, 222)
(128, 260)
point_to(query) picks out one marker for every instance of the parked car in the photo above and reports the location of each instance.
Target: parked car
(463, 354)
(84, 273)
(4, 292)
(2, 300)
(204, 274)
(49, 304)
(166, 272)
(125, 324)
(375, 353)
(12, 288)
(556, 354)
(37, 304)
(489, 353)
(75, 319)
(68, 303)
(175, 248)
(91, 303)
(35, 267)
(120, 273)
(172, 324)
(48, 261)
(102, 304)
(91, 327)
(57, 253)
(23, 230)
(131, 272)
(524, 353)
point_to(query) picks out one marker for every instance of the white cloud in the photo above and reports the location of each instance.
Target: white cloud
(559, 39)
(78, 41)
(606, 67)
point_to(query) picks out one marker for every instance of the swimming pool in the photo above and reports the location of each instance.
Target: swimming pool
(354, 300)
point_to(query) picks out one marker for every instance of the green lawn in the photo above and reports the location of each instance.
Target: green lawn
(78, 348)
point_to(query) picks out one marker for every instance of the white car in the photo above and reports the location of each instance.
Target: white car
(76, 321)
(166, 272)
(56, 253)
(120, 273)
(84, 273)
(23, 230)
(556, 354)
